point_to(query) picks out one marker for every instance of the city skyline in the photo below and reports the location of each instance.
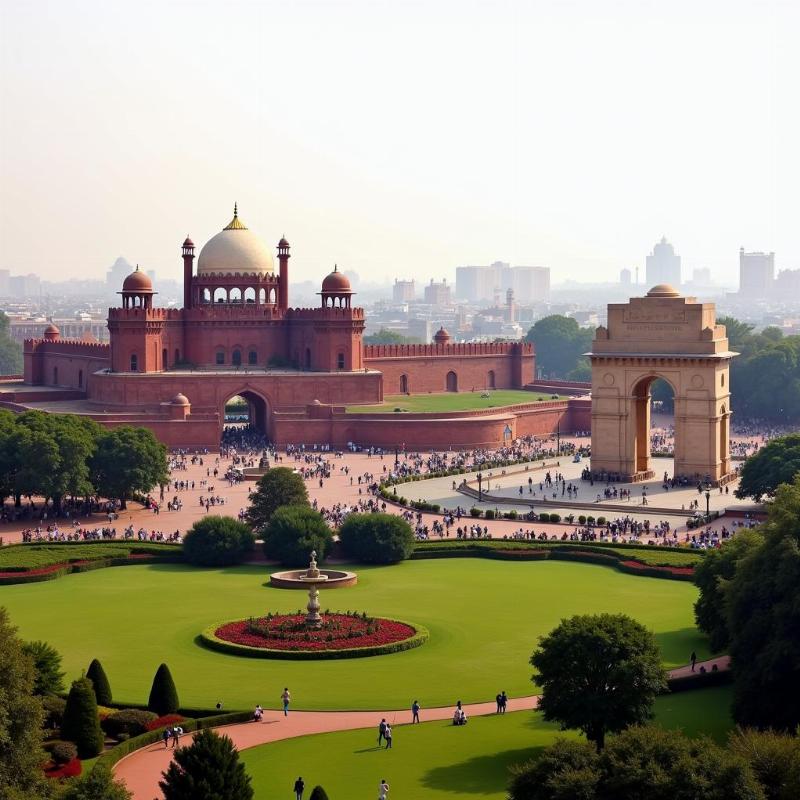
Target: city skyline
(574, 141)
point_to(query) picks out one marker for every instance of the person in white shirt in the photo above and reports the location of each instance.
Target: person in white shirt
(383, 790)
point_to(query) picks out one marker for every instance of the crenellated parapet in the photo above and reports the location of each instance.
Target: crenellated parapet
(139, 314)
(374, 351)
(325, 314)
(68, 347)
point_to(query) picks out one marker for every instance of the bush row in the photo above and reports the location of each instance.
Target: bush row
(209, 639)
(58, 571)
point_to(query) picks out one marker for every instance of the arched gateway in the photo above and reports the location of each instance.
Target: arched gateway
(662, 335)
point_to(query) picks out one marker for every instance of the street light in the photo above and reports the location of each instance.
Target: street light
(480, 479)
(708, 502)
(396, 457)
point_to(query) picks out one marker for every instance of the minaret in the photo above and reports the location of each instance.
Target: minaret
(188, 269)
(283, 262)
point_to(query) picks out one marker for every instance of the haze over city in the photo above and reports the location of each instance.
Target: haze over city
(399, 140)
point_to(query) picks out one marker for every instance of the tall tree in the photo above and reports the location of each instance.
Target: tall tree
(81, 723)
(208, 769)
(21, 718)
(10, 351)
(128, 460)
(49, 678)
(163, 694)
(279, 486)
(560, 343)
(776, 463)
(764, 620)
(598, 673)
(102, 688)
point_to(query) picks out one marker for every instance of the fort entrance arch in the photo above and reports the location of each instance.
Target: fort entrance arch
(247, 407)
(661, 335)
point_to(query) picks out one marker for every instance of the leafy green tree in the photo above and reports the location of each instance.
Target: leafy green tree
(208, 769)
(218, 541)
(376, 538)
(10, 351)
(97, 784)
(599, 673)
(21, 719)
(102, 688)
(776, 463)
(128, 460)
(566, 770)
(764, 620)
(560, 344)
(163, 694)
(773, 757)
(384, 336)
(738, 332)
(81, 723)
(293, 532)
(49, 678)
(318, 793)
(712, 577)
(279, 486)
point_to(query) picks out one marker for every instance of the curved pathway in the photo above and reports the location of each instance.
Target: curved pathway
(141, 770)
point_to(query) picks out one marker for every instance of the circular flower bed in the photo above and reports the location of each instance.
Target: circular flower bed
(349, 635)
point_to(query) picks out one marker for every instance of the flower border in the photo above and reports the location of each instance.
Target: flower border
(209, 639)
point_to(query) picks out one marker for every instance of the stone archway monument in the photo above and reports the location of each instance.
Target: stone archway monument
(661, 335)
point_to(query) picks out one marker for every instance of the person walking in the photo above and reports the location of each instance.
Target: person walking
(503, 701)
(498, 700)
(286, 697)
(383, 790)
(166, 737)
(176, 736)
(382, 731)
(415, 712)
(387, 734)
(299, 788)
(693, 659)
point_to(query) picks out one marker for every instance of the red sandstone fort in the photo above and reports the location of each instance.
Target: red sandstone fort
(173, 370)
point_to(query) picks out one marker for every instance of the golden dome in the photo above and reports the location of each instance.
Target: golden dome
(235, 249)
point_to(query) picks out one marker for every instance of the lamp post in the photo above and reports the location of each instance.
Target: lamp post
(396, 457)
(708, 503)
(480, 479)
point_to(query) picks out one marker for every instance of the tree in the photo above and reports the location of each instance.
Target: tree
(218, 541)
(49, 679)
(208, 769)
(737, 331)
(566, 770)
(376, 538)
(763, 620)
(776, 463)
(97, 784)
(10, 351)
(163, 694)
(293, 532)
(773, 757)
(599, 674)
(81, 723)
(560, 343)
(21, 718)
(318, 793)
(712, 577)
(102, 688)
(279, 486)
(128, 460)
(384, 336)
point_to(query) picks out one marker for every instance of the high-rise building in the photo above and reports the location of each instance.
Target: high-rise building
(482, 284)
(701, 276)
(787, 284)
(403, 291)
(473, 284)
(5, 275)
(531, 284)
(24, 285)
(756, 274)
(625, 277)
(438, 294)
(663, 265)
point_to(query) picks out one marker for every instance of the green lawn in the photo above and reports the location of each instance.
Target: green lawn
(436, 760)
(451, 401)
(484, 619)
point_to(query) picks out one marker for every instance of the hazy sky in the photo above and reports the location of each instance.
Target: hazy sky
(400, 138)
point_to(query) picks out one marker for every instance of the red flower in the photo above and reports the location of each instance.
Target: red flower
(68, 770)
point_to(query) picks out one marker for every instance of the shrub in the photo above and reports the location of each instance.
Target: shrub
(581, 519)
(318, 793)
(555, 518)
(81, 723)
(98, 784)
(102, 688)
(601, 520)
(53, 710)
(512, 514)
(128, 721)
(61, 752)
(376, 538)
(163, 694)
(165, 721)
(218, 541)
(293, 532)
(590, 520)
(544, 517)
(47, 666)
(475, 512)
(489, 513)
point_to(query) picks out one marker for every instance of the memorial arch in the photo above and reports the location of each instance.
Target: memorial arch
(661, 335)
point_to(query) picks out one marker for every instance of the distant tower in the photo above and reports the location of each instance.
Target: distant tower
(511, 311)
(188, 271)
(283, 262)
(625, 277)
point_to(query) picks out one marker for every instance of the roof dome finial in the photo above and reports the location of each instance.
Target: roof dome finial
(235, 209)
(235, 224)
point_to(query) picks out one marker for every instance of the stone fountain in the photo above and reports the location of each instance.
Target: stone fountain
(313, 577)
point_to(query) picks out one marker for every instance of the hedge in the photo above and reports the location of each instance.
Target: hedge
(209, 639)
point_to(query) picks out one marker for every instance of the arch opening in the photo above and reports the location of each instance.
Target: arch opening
(451, 382)
(245, 414)
(654, 408)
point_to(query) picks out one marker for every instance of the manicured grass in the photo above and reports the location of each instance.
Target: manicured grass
(484, 619)
(437, 760)
(36, 556)
(451, 401)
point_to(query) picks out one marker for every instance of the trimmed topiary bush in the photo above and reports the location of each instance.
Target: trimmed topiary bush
(129, 722)
(582, 519)
(218, 541)
(475, 512)
(53, 711)
(376, 538)
(61, 752)
(601, 520)
(293, 532)
(489, 513)
(81, 723)
(102, 688)
(318, 793)
(163, 694)
(555, 518)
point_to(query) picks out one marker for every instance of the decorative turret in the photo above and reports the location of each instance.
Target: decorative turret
(51, 333)
(442, 337)
(137, 290)
(283, 264)
(336, 290)
(188, 271)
